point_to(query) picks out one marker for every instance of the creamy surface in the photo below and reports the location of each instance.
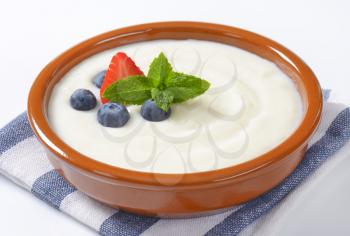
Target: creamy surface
(250, 108)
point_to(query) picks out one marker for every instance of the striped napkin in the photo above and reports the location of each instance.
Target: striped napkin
(22, 159)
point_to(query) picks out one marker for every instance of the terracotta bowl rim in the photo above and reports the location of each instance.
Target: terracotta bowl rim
(38, 97)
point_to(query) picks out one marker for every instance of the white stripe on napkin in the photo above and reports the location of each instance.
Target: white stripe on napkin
(86, 210)
(25, 162)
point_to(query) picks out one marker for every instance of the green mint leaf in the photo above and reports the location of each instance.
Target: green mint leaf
(162, 98)
(159, 71)
(128, 91)
(185, 87)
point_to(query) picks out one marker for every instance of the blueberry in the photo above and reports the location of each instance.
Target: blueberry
(113, 115)
(83, 100)
(151, 112)
(99, 78)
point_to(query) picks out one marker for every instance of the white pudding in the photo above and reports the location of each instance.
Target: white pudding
(250, 108)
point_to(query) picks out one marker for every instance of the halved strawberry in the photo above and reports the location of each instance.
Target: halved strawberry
(120, 67)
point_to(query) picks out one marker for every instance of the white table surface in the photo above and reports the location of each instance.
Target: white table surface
(34, 32)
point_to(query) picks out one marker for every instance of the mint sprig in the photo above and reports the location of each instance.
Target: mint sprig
(128, 91)
(162, 84)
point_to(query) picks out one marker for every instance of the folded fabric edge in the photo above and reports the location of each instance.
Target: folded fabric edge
(106, 227)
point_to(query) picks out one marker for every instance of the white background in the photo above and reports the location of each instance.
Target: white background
(34, 32)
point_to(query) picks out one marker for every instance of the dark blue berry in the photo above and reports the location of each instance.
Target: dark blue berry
(99, 78)
(113, 115)
(83, 100)
(151, 112)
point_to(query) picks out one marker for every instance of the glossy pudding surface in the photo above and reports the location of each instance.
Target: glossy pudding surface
(250, 108)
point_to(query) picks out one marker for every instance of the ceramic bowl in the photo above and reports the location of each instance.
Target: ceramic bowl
(177, 195)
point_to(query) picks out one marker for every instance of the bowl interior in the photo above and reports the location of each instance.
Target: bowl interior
(287, 61)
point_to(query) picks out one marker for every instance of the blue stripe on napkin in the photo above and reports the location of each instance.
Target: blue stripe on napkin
(336, 137)
(52, 188)
(126, 224)
(15, 132)
(326, 93)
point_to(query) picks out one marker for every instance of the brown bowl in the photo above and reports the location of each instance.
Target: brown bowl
(176, 194)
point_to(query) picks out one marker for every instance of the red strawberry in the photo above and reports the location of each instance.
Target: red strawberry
(120, 67)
